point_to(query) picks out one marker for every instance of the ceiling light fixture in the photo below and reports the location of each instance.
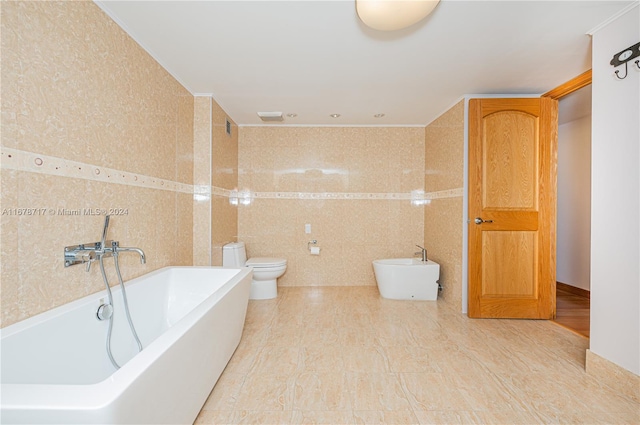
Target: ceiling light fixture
(392, 15)
(334, 115)
(270, 116)
(292, 115)
(378, 116)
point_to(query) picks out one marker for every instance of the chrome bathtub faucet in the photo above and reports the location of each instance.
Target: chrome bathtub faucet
(95, 251)
(423, 253)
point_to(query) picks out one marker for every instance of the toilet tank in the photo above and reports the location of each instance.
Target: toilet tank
(234, 255)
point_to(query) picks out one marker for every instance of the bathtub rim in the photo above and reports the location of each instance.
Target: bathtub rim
(100, 394)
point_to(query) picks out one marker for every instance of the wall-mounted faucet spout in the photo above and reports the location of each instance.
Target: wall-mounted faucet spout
(118, 249)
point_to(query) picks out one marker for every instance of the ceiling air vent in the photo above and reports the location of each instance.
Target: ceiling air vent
(271, 116)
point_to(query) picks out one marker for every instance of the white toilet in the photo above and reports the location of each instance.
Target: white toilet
(266, 271)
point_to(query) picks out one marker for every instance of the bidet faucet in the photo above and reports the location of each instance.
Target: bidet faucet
(423, 253)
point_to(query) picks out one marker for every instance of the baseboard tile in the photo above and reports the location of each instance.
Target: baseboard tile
(617, 378)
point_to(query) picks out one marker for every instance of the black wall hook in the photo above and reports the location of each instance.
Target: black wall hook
(623, 57)
(626, 71)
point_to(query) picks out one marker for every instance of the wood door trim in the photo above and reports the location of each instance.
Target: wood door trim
(548, 198)
(570, 86)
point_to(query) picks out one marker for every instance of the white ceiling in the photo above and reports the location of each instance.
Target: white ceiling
(315, 58)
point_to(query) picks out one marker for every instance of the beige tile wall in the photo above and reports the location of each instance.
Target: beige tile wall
(75, 87)
(444, 162)
(224, 160)
(215, 174)
(202, 180)
(224, 226)
(331, 159)
(351, 233)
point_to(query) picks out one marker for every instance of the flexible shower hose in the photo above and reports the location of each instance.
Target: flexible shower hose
(126, 308)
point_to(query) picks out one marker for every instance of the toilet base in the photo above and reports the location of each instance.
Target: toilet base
(263, 289)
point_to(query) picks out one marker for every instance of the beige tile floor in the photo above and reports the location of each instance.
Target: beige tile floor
(344, 355)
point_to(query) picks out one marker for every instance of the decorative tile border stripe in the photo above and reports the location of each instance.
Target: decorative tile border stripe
(442, 194)
(412, 196)
(219, 191)
(331, 195)
(14, 159)
(202, 189)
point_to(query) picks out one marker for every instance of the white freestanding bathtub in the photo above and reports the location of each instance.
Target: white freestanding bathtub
(190, 319)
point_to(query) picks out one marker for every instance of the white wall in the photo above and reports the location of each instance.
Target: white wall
(615, 196)
(574, 203)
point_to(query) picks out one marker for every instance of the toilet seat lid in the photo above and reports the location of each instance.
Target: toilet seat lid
(266, 262)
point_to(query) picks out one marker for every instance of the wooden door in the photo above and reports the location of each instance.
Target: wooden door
(512, 208)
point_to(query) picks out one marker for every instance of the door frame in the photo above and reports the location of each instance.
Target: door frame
(557, 93)
(575, 84)
(570, 86)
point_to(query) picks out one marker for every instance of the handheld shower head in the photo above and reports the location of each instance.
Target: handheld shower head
(104, 232)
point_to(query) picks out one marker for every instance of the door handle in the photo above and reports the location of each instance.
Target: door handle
(479, 220)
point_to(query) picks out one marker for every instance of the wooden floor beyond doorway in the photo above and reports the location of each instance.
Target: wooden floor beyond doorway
(573, 308)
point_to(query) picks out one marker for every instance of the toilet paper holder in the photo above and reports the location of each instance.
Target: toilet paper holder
(313, 247)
